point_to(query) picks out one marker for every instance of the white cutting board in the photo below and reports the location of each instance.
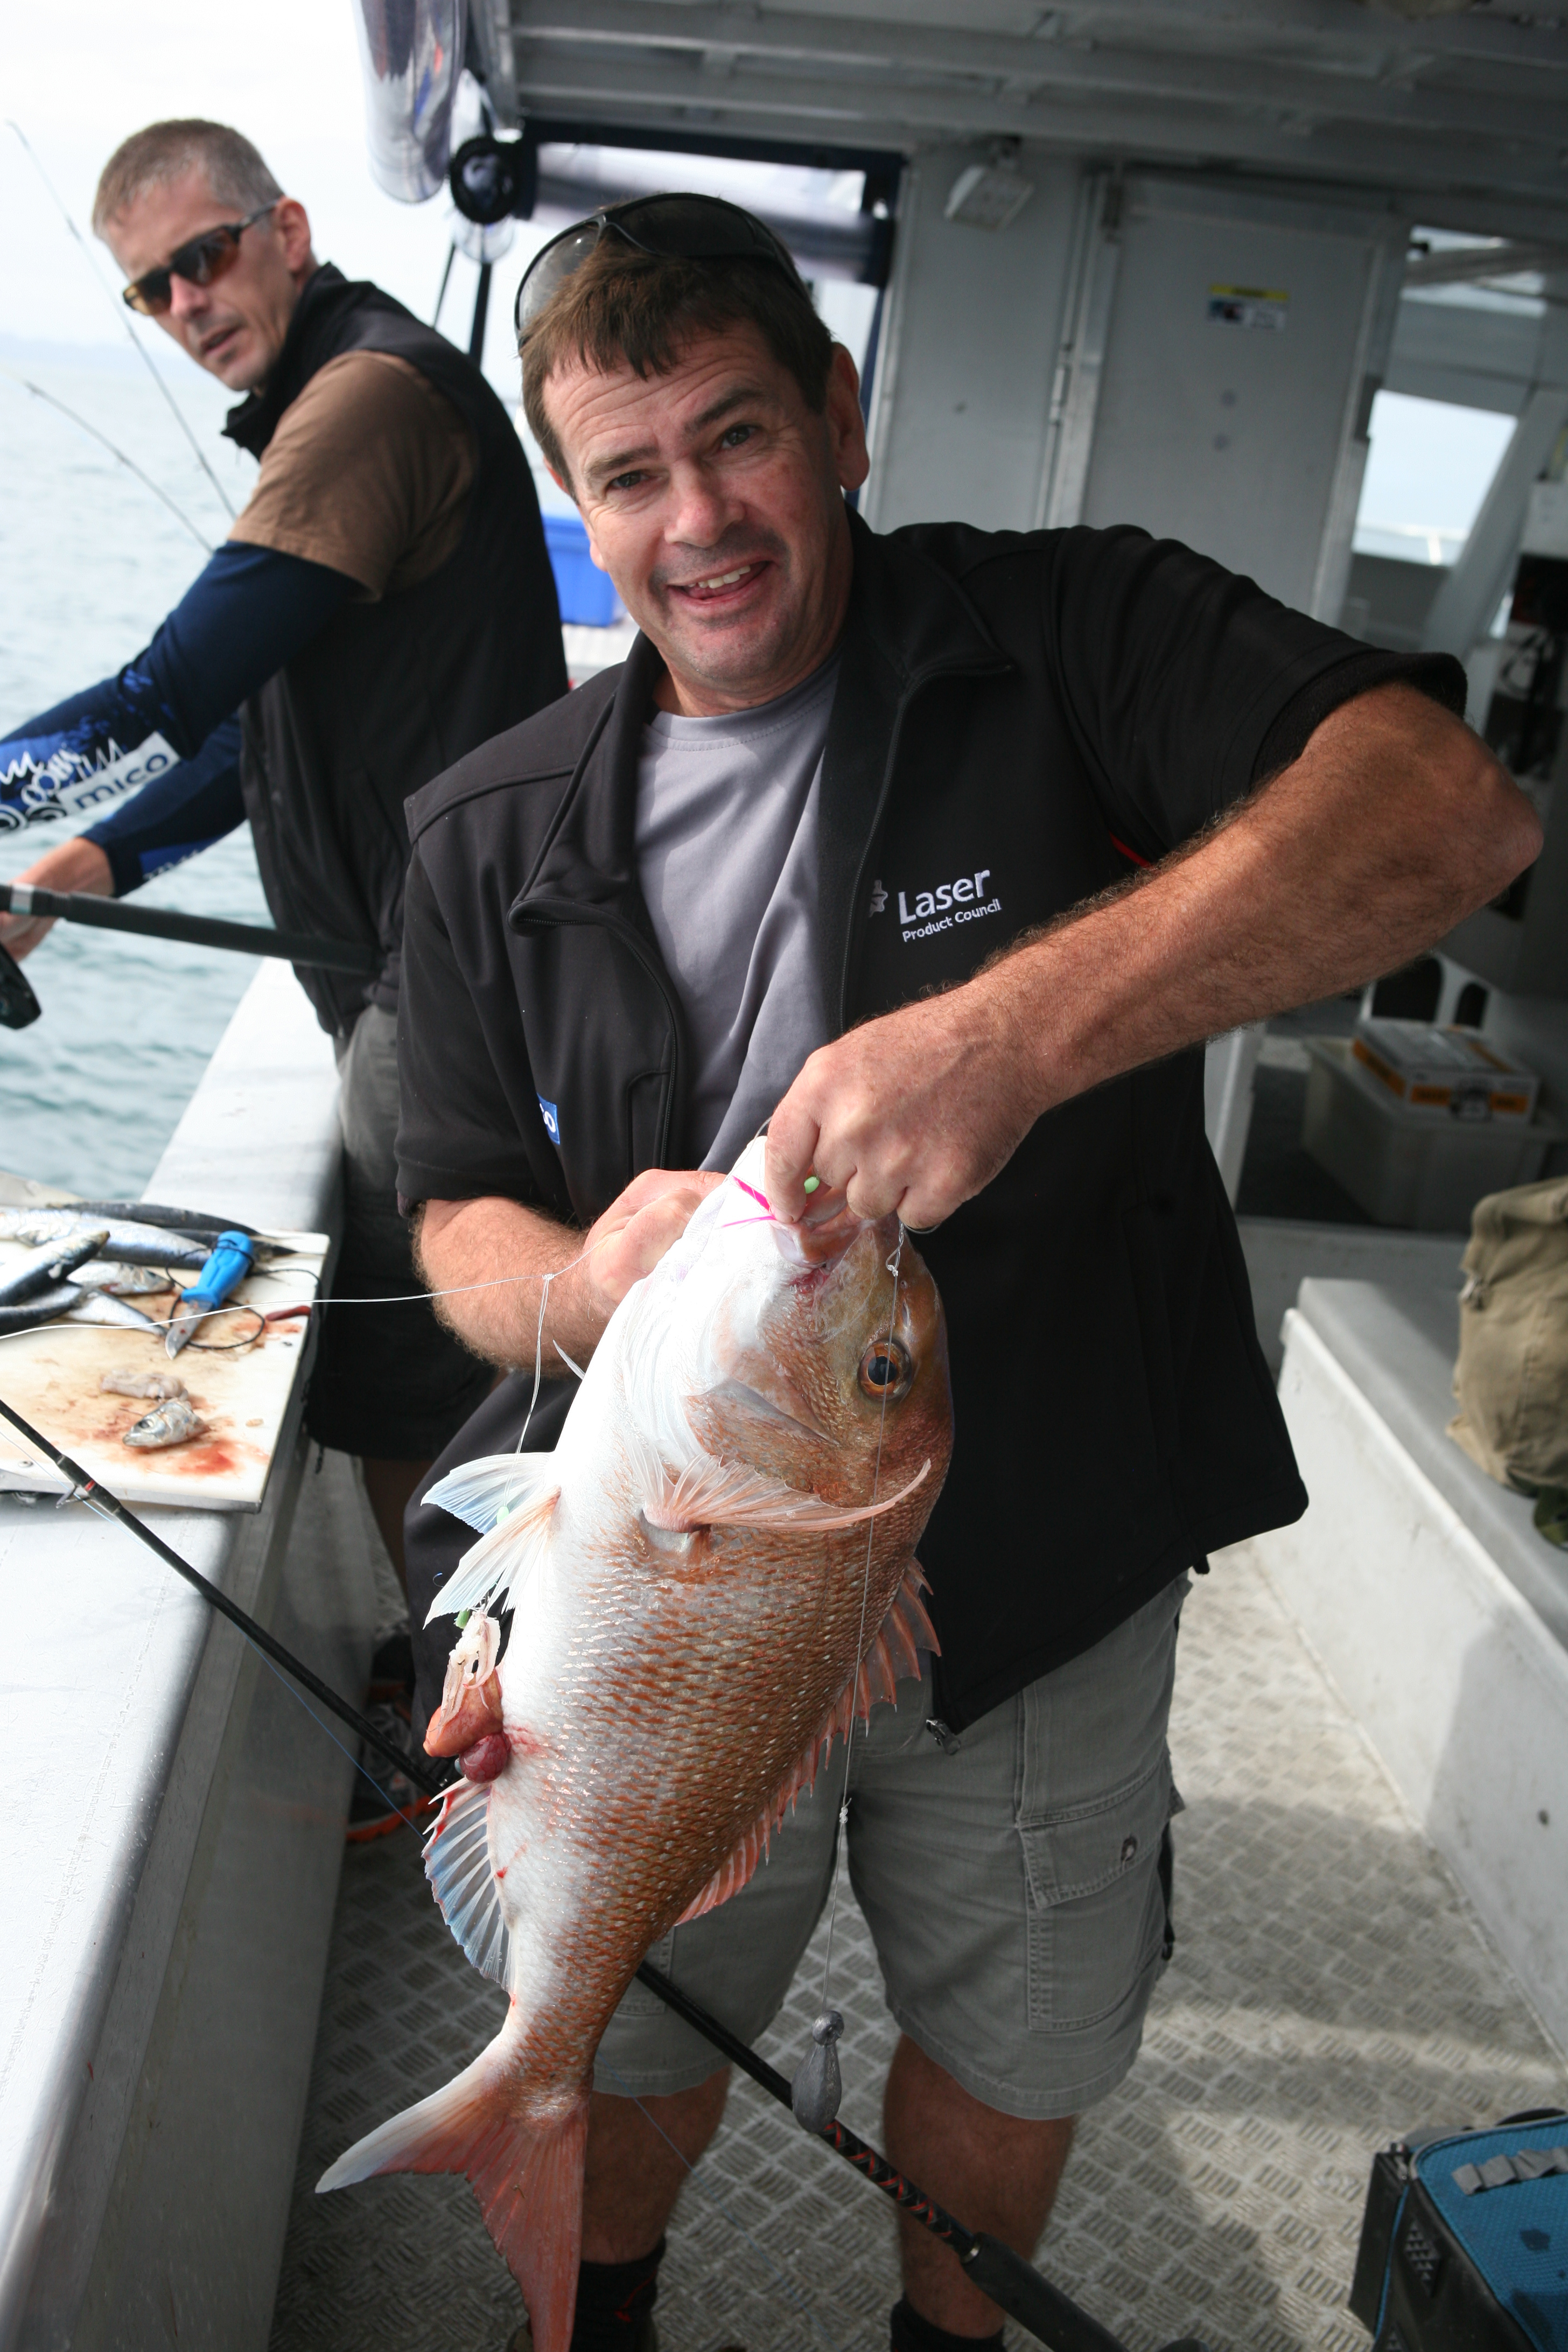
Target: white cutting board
(52, 1375)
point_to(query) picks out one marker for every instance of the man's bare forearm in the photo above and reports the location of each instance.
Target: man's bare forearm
(1394, 824)
(491, 1258)
(492, 1261)
(1324, 879)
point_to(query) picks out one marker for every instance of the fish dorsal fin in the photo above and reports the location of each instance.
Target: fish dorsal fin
(457, 1865)
(502, 1563)
(902, 1634)
(493, 1487)
(708, 1494)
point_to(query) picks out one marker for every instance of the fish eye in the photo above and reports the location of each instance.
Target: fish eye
(886, 1372)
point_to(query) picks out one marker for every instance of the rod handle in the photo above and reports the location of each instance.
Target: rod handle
(1051, 2317)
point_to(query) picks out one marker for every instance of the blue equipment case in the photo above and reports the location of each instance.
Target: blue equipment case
(585, 594)
(1464, 2244)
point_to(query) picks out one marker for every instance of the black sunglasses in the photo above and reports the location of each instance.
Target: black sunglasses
(206, 257)
(675, 229)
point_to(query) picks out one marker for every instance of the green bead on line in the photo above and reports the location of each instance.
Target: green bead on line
(811, 1183)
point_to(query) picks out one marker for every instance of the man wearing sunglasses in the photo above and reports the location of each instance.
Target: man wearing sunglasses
(384, 604)
(946, 849)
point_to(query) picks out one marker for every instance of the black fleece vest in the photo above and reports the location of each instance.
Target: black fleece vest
(390, 693)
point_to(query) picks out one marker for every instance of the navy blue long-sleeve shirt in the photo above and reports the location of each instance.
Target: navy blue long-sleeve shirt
(157, 746)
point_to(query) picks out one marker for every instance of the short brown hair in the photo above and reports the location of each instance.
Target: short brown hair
(165, 151)
(628, 309)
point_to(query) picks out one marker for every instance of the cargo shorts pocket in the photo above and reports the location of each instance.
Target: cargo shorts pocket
(1096, 1906)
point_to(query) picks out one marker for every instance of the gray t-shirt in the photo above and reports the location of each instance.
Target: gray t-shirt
(726, 845)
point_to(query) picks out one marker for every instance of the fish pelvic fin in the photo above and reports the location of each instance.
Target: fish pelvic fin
(526, 2171)
(463, 1880)
(708, 1494)
(904, 1632)
(502, 1563)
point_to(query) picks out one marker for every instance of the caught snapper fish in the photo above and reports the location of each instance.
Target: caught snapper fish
(712, 1574)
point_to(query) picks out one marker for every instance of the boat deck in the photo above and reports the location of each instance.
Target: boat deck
(1331, 1988)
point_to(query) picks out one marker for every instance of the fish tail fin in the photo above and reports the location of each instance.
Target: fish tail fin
(525, 2170)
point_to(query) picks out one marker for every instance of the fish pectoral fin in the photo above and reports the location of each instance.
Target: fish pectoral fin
(493, 1487)
(457, 1865)
(502, 1563)
(708, 1494)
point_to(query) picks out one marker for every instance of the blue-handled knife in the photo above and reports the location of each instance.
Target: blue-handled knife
(233, 1255)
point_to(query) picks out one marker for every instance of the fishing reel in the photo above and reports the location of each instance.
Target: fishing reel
(19, 1005)
(493, 180)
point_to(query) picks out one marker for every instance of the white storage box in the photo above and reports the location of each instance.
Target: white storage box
(1404, 1166)
(1454, 1072)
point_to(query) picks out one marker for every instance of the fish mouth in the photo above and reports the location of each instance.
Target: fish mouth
(823, 1237)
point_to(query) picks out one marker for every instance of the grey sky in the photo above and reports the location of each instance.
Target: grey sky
(78, 78)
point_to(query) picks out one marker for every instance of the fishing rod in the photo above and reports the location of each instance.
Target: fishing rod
(1015, 2285)
(115, 451)
(85, 1488)
(1024, 2293)
(195, 930)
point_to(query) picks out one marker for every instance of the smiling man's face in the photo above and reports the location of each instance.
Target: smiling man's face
(713, 497)
(236, 327)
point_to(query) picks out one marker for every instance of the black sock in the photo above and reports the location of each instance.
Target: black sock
(911, 2333)
(614, 2300)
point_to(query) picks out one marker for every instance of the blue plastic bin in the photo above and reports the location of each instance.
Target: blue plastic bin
(587, 595)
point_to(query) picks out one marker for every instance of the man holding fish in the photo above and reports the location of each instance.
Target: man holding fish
(944, 851)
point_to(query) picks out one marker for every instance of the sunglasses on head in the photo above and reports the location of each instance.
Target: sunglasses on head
(199, 262)
(675, 229)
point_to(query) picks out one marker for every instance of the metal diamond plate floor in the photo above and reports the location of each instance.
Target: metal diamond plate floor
(1331, 1988)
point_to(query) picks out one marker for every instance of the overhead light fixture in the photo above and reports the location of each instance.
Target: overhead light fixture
(989, 195)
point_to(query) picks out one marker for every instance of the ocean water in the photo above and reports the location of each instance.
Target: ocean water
(90, 562)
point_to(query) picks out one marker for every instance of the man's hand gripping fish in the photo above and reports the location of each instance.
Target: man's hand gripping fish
(711, 1575)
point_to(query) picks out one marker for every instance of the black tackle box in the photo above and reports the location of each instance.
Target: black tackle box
(1463, 2246)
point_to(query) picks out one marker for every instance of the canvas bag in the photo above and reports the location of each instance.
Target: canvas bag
(1511, 1378)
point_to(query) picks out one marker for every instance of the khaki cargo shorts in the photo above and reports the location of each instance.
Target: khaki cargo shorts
(1011, 1881)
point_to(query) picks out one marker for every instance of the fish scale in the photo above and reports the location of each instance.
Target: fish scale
(699, 1575)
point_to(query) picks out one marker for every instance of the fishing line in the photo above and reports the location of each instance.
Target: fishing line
(409, 1819)
(841, 1840)
(305, 1306)
(67, 1322)
(40, 393)
(120, 312)
(714, 2198)
(539, 1353)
